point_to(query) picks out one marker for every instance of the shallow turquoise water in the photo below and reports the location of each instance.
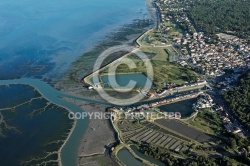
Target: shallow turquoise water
(126, 80)
(40, 37)
(137, 80)
(126, 157)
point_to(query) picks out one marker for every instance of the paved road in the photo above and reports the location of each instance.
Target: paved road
(219, 100)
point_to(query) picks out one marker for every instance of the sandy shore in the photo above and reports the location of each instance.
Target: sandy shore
(98, 136)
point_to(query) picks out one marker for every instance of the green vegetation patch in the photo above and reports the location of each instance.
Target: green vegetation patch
(159, 53)
(164, 71)
(208, 122)
(171, 72)
(215, 16)
(239, 99)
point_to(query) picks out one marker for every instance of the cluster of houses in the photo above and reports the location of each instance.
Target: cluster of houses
(168, 10)
(171, 88)
(178, 98)
(174, 11)
(231, 127)
(229, 52)
(214, 59)
(153, 106)
(204, 101)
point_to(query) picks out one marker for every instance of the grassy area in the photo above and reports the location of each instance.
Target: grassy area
(162, 56)
(153, 37)
(173, 31)
(208, 122)
(161, 37)
(164, 71)
(171, 72)
(155, 53)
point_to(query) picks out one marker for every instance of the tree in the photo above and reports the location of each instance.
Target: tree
(233, 143)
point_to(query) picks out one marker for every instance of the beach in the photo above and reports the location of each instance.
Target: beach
(99, 134)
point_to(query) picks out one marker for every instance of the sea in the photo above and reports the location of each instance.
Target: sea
(39, 40)
(42, 38)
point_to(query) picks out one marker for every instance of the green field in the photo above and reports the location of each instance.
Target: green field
(158, 53)
(164, 71)
(153, 37)
(159, 37)
(208, 122)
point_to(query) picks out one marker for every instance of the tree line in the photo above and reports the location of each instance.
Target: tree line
(239, 99)
(213, 16)
(188, 160)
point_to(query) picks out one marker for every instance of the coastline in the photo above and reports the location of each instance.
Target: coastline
(86, 134)
(95, 73)
(78, 114)
(154, 12)
(87, 110)
(75, 122)
(65, 141)
(150, 5)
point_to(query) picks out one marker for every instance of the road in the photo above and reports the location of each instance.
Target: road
(165, 97)
(215, 93)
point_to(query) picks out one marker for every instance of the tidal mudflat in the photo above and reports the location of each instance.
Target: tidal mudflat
(84, 64)
(32, 129)
(42, 38)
